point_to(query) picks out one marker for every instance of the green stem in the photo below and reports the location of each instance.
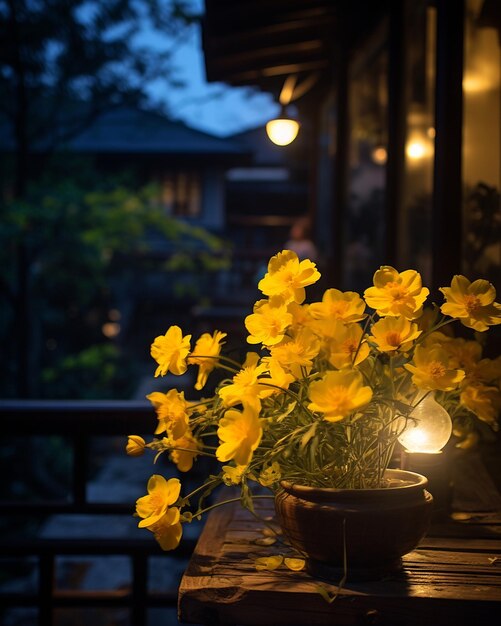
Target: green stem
(219, 357)
(293, 395)
(364, 332)
(433, 329)
(202, 487)
(193, 451)
(214, 506)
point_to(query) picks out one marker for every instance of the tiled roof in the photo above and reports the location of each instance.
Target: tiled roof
(131, 130)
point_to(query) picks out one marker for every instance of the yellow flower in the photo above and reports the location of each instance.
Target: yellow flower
(205, 353)
(436, 338)
(240, 434)
(278, 377)
(168, 530)
(431, 369)
(396, 293)
(161, 495)
(394, 333)
(189, 449)
(172, 414)
(472, 303)
(245, 387)
(233, 475)
(267, 325)
(347, 306)
(287, 277)
(170, 352)
(345, 348)
(297, 353)
(463, 354)
(300, 314)
(338, 394)
(270, 474)
(135, 445)
(483, 401)
(488, 371)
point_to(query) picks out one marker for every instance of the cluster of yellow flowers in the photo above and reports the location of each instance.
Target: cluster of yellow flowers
(323, 401)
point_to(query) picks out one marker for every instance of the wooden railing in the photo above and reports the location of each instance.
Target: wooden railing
(78, 422)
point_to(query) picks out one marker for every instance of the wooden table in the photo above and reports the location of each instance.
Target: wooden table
(453, 578)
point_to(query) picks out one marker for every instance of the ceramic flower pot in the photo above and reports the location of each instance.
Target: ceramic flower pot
(374, 527)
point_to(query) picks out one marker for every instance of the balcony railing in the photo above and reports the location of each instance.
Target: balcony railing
(78, 422)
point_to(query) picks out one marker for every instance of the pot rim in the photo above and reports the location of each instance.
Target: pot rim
(411, 482)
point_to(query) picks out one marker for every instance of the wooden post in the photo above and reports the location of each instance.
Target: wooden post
(396, 132)
(447, 193)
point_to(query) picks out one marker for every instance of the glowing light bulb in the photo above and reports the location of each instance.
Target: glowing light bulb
(282, 131)
(428, 429)
(415, 150)
(379, 155)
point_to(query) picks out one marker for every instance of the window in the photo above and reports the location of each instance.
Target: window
(415, 232)
(181, 193)
(367, 111)
(481, 144)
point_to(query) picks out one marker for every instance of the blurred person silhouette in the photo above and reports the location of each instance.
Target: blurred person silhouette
(300, 240)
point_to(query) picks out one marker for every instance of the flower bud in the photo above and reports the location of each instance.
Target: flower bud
(135, 445)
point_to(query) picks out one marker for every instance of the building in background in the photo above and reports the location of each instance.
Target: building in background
(405, 115)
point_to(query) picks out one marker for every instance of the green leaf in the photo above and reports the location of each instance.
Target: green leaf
(308, 435)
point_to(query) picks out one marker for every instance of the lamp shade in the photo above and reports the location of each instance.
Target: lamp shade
(282, 131)
(428, 429)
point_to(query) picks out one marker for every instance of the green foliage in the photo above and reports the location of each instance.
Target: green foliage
(89, 250)
(91, 373)
(63, 61)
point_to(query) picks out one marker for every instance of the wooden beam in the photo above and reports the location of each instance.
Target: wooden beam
(447, 193)
(267, 77)
(220, 18)
(254, 36)
(396, 131)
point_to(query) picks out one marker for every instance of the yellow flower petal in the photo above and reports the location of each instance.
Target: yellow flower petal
(168, 530)
(170, 351)
(240, 434)
(394, 333)
(135, 445)
(336, 305)
(339, 394)
(396, 293)
(269, 563)
(287, 277)
(431, 370)
(472, 303)
(268, 324)
(205, 353)
(294, 564)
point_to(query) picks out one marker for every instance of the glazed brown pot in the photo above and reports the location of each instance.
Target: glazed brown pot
(375, 526)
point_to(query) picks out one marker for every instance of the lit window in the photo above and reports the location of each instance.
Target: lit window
(181, 193)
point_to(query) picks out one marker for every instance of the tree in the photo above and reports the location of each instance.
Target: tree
(64, 62)
(91, 246)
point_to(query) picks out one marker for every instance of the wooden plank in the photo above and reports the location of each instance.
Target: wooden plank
(447, 579)
(461, 544)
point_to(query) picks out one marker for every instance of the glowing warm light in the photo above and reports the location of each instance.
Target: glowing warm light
(431, 132)
(110, 329)
(428, 429)
(476, 83)
(379, 155)
(415, 149)
(282, 131)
